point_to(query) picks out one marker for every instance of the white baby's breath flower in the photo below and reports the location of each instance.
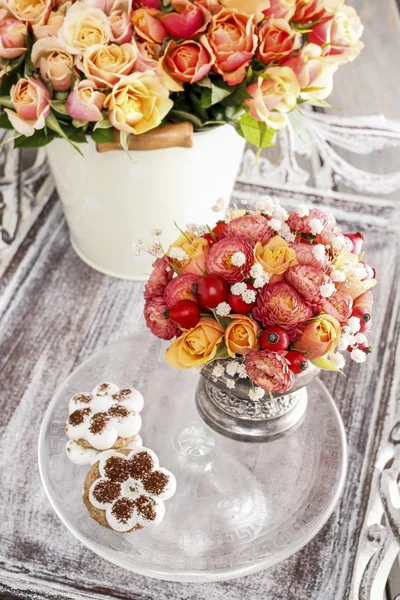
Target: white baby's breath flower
(237, 289)
(340, 243)
(156, 232)
(338, 360)
(286, 234)
(256, 394)
(354, 324)
(230, 383)
(178, 254)
(319, 252)
(241, 371)
(259, 283)
(346, 340)
(232, 367)
(275, 224)
(218, 206)
(327, 290)
(265, 205)
(218, 370)
(249, 296)
(191, 228)
(360, 338)
(256, 271)
(157, 250)
(238, 259)
(223, 309)
(279, 212)
(316, 226)
(303, 210)
(355, 271)
(358, 355)
(338, 276)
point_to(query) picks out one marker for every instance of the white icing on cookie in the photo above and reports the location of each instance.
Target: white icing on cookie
(88, 456)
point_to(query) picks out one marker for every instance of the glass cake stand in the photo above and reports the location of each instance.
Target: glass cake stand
(239, 507)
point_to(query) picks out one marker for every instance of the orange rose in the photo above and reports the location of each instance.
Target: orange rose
(241, 335)
(320, 336)
(276, 257)
(189, 62)
(197, 346)
(148, 26)
(194, 253)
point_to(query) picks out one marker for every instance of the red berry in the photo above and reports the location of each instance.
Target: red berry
(219, 228)
(238, 305)
(357, 240)
(185, 313)
(361, 313)
(211, 290)
(209, 239)
(298, 362)
(275, 339)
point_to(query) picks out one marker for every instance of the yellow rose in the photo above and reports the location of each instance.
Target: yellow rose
(241, 335)
(197, 346)
(105, 65)
(320, 336)
(83, 27)
(196, 250)
(276, 257)
(32, 12)
(138, 103)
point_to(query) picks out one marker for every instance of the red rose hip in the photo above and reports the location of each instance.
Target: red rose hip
(211, 290)
(219, 228)
(275, 339)
(185, 313)
(240, 306)
(298, 362)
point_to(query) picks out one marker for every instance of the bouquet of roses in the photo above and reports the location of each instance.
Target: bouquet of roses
(74, 68)
(267, 290)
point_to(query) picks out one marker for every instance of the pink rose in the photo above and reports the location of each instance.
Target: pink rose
(148, 26)
(187, 62)
(55, 63)
(339, 306)
(145, 60)
(299, 224)
(121, 27)
(231, 258)
(13, 36)
(188, 21)
(106, 64)
(160, 276)
(159, 325)
(233, 41)
(84, 103)
(309, 10)
(180, 288)
(281, 9)
(312, 71)
(105, 5)
(305, 254)
(270, 371)
(212, 5)
(252, 228)
(30, 99)
(52, 24)
(149, 3)
(279, 304)
(307, 280)
(339, 36)
(277, 41)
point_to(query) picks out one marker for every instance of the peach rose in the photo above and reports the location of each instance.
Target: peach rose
(30, 99)
(320, 336)
(55, 63)
(312, 71)
(357, 287)
(249, 7)
(339, 36)
(83, 27)
(197, 346)
(146, 57)
(138, 103)
(106, 64)
(311, 10)
(53, 23)
(13, 36)
(196, 250)
(276, 257)
(278, 92)
(233, 41)
(84, 103)
(241, 335)
(281, 9)
(148, 26)
(32, 12)
(189, 20)
(277, 41)
(189, 61)
(121, 27)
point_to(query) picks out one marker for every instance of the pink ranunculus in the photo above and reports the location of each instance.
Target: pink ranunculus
(149, 3)
(339, 36)
(279, 304)
(299, 224)
(147, 25)
(55, 62)
(277, 41)
(339, 306)
(160, 276)
(30, 99)
(223, 255)
(307, 280)
(252, 228)
(269, 370)
(281, 9)
(156, 321)
(233, 41)
(121, 27)
(189, 20)
(180, 288)
(84, 103)
(13, 36)
(305, 254)
(187, 62)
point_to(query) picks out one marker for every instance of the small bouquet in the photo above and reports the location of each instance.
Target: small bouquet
(266, 292)
(78, 68)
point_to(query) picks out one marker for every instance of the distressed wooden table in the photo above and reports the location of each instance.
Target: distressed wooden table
(55, 311)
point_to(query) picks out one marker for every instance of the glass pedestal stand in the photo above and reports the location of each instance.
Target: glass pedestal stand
(238, 508)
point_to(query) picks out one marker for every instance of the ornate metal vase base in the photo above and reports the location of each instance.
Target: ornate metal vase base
(239, 507)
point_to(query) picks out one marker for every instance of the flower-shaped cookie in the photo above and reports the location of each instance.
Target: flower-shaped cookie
(128, 488)
(106, 418)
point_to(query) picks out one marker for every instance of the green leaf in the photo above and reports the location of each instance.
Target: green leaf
(54, 125)
(59, 107)
(325, 364)
(221, 353)
(104, 124)
(224, 321)
(198, 108)
(39, 139)
(78, 124)
(4, 121)
(102, 135)
(256, 133)
(238, 96)
(205, 82)
(178, 116)
(214, 95)
(6, 101)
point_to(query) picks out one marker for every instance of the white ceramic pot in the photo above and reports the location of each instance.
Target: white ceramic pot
(111, 200)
